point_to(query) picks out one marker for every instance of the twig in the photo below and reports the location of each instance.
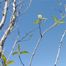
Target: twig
(26, 7)
(40, 29)
(13, 47)
(22, 39)
(18, 40)
(38, 42)
(59, 49)
(4, 14)
(10, 27)
(21, 61)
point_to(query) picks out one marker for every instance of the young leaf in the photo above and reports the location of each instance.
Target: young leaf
(10, 62)
(14, 53)
(24, 52)
(5, 61)
(57, 21)
(61, 21)
(4, 58)
(37, 21)
(40, 16)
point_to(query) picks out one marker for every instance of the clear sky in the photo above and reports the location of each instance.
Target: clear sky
(46, 53)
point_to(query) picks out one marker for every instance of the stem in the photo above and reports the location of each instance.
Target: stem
(21, 60)
(40, 29)
(17, 41)
(59, 49)
(4, 14)
(38, 42)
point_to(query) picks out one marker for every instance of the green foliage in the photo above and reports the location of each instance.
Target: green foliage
(18, 52)
(37, 21)
(7, 62)
(40, 19)
(57, 21)
(10, 62)
(14, 53)
(4, 58)
(24, 52)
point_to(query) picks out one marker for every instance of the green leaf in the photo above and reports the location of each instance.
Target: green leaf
(4, 58)
(43, 19)
(61, 21)
(57, 21)
(24, 52)
(37, 21)
(14, 53)
(10, 62)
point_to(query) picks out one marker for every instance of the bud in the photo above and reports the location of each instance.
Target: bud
(40, 16)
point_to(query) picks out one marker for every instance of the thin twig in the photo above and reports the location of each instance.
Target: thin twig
(26, 8)
(38, 42)
(40, 29)
(4, 14)
(22, 39)
(21, 60)
(59, 49)
(17, 41)
(13, 47)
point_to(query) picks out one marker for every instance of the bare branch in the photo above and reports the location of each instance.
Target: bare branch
(10, 27)
(12, 22)
(59, 49)
(38, 42)
(4, 13)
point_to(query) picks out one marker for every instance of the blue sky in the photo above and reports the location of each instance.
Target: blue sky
(46, 53)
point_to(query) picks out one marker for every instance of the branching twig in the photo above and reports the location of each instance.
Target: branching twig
(19, 40)
(11, 25)
(4, 14)
(59, 49)
(38, 42)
